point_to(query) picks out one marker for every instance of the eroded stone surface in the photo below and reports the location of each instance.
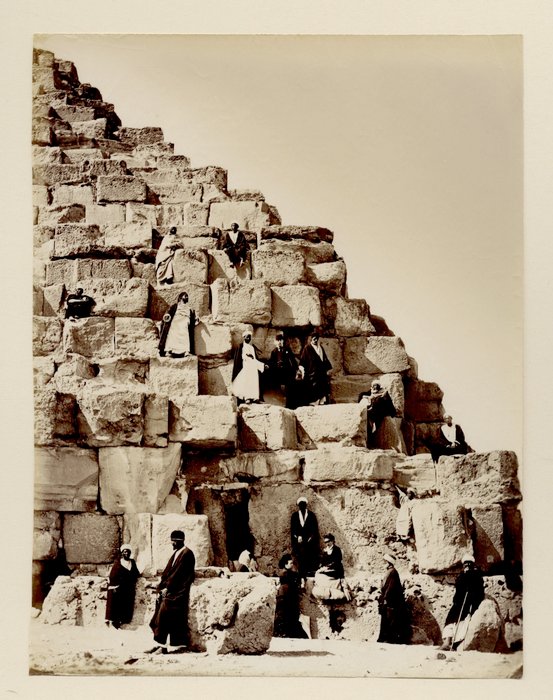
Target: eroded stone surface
(344, 464)
(264, 427)
(66, 479)
(488, 477)
(91, 538)
(342, 423)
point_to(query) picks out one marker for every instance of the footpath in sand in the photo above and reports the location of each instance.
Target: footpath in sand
(70, 650)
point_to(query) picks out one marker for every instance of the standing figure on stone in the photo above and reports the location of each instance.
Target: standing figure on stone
(78, 305)
(177, 329)
(451, 440)
(170, 619)
(304, 534)
(314, 368)
(121, 589)
(236, 246)
(469, 593)
(283, 366)
(287, 612)
(164, 258)
(246, 371)
(394, 615)
(379, 405)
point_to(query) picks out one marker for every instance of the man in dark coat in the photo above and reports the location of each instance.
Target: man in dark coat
(121, 589)
(379, 405)
(78, 305)
(451, 440)
(304, 534)
(170, 619)
(283, 366)
(394, 622)
(314, 367)
(235, 246)
(181, 340)
(469, 593)
(331, 558)
(287, 611)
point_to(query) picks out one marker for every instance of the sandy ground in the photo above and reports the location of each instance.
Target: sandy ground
(57, 650)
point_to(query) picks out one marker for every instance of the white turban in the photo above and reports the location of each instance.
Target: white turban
(301, 499)
(126, 546)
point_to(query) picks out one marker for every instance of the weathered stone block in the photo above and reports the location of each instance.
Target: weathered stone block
(440, 535)
(488, 535)
(190, 267)
(71, 374)
(40, 196)
(76, 239)
(162, 299)
(196, 532)
(42, 133)
(343, 423)
(264, 427)
(54, 416)
(137, 479)
(346, 388)
(64, 195)
(313, 234)
(82, 156)
(136, 337)
(46, 155)
(122, 188)
(174, 377)
(52, 173)
(47, 334)
(195, 214)
(156, 421)
(75, 113)
(312, 253)
(329, 277)
(109, 415)
(117, 297)
(215, 380)
(101, 214)
(485, 628)
(417, 472)
(91, 129)
(137, 136)
(248, 302)
(278, 267)
(220, 268)
(178, 193)
(212, 339)
(295, 305)
(43, 370)
(99, 268)
(90, 337)
(142, 213)
(375, 355)
(203, 421)
(52, 299)
(52, 216)
(249, 215)
(133, 235)
(483, 478)
(337, 463)
(280, 466)
(333, 349)
(352, 317)
(46, 534)
(66, 479)
(89, 538)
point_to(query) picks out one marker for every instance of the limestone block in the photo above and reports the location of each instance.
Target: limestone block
(220, 268)
(76, 239)
(174, 161)
(75, 113)
(346, 388)
(488, 535)
(39, 272)
(67, 214)
(141, 136)
(47, 333)
(249, 215)
(337, 463)
(99, 267)
(72, 373)
(156, 421)
(352, 317)
(328, 277)
(312, 253)
(42, 235)
(117, 297)
(89, 538)
(264, 427)
(271, 467)
(137, 479)
(38, 301)
(136, 337)
(440, 535)
(196, 532)
(203, 421)
(174, 377)
(137, 531)
(375, 355)
(146, 271)
(81, 156)
(512, 533)
(162, 299)
(313, 234)
(101, 214)
(333, 349)
(248, 302)
(52, 299)
(417, 473)
(485, 628)
(215, 380)
(90, 337)
(483, 478)
(53, 173)
(178, 192)
(40, 196)
(122, 188)
(212, 339)
(110, 416)
(66, 479)
(278, 267)
(91, 129)
(64, 195)
(54, 416)
(190, 267)
(342, 423)
(43, 370)
(45, 155)
(295, 305)
(170, 215)
(46, 534)
(42, 133)
(195, 214)
(140, 213)
(133, 235)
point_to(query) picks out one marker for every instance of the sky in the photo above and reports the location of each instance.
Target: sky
(408, 148)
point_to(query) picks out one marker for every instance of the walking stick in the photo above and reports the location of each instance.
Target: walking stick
(458, 621)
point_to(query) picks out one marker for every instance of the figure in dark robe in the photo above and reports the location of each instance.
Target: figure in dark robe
(283, 368)
(236, 246)
(314, 369)
(246, 371)
(78, 305)
(287, 612)
(331, 559)
(304, 535)
(451, 440)
(379, 405)
(170, 619)
(394, 618)
(121, 589)
(469, 593)
(176, 337)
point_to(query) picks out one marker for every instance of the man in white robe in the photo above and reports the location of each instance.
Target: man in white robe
(246, 371)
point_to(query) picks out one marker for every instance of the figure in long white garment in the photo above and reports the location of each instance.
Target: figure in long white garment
(164, 258)
(246, 371)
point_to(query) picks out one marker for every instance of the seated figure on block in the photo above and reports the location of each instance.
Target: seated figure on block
(451, 440)
(177, 329)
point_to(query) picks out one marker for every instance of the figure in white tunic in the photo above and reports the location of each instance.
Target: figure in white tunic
(246, 371)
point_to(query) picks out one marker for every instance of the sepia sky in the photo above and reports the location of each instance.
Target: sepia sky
(408, 148)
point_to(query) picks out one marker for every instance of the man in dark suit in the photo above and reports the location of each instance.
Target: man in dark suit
(314, 368)
(394, 622)
(170, 619)
(304, 533)
(283, 366)
(235, 246)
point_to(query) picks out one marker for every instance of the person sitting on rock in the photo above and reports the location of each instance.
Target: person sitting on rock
(329, 583)
(331, 559)
(246, 562)
(394, 620)
(287, 612)
(78, 305)
(469, 593)
(283, 366)
(314, 368)
(246, 370)
(164, 258)
(236, 246)
(451, 440)
(121, 589)
(177, 329)
(379, 405)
